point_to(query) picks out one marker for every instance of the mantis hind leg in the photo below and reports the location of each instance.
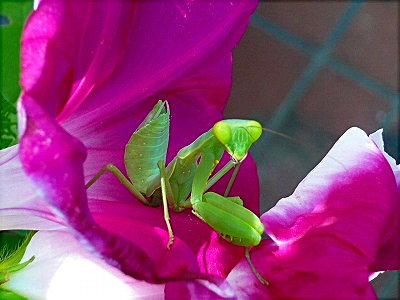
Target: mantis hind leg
(253, 268)
(113, 169)
(166, 193)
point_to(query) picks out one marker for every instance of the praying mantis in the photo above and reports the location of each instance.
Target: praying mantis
(183, 183)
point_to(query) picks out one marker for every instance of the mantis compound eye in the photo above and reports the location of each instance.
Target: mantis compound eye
(223, 132)
(254, 129)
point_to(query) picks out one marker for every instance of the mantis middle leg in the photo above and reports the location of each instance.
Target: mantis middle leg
(165, 189)
(125, 181)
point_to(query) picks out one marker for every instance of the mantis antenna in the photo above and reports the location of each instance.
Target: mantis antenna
(308, 146)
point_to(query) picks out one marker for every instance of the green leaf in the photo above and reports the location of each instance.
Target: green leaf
(13, 14)
(5, 274)
(8, 295)
(11, 261)
(11, 239)
(16, 11)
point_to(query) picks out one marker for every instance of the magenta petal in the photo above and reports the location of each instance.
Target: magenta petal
(183, 62)
(73, 58)
(124, 50)
(333, 232)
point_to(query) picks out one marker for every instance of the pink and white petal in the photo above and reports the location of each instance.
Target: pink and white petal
(53, 161)
(20, 206)
(317, 266)
(63, 269)
(329, 233)
(325, 243)
(352, 185)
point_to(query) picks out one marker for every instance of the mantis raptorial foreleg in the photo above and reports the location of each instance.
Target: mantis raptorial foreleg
(225, 169)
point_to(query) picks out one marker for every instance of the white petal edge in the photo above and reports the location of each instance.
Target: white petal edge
(62, 269)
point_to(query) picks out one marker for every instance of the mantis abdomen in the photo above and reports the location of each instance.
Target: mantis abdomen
(146, 147)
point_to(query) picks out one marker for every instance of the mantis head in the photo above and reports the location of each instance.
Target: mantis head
(237, 136)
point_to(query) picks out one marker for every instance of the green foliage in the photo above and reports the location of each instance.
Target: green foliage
(13, 257)
(13, 16)
(11, 262)
(9, 295)
(11, 239)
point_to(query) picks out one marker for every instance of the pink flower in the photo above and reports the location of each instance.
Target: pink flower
(339, 226)
(91, 72)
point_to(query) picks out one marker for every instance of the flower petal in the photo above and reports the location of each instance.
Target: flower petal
(318, 266)
(104, 62)
(138, 48)
(53, 160)
(353, 184)
(330, 232)
(63, 269)
(20, 208)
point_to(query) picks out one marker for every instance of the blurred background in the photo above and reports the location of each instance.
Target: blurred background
(311, 70)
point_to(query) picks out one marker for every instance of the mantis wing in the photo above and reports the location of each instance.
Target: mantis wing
(146, 147)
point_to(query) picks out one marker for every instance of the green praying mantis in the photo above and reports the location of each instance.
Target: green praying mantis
(184, 182)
